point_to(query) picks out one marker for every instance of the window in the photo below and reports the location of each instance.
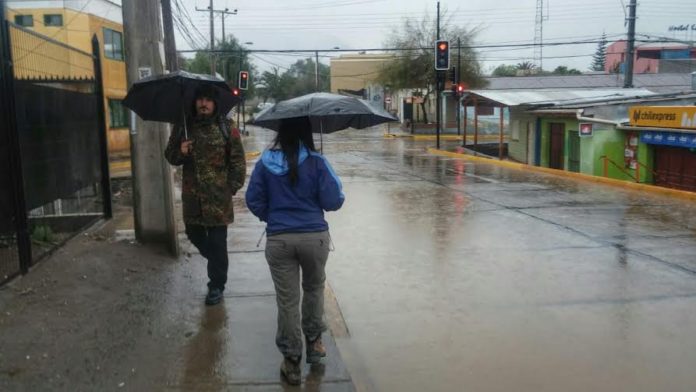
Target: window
(118, 114)
(53, 20)
(113, 44)
(24, 20)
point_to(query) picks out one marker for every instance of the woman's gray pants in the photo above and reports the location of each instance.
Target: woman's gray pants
(286, 255)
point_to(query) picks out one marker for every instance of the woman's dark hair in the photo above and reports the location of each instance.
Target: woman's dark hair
(290, 134)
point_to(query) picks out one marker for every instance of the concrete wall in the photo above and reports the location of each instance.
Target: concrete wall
(355, 72)
(521, 131)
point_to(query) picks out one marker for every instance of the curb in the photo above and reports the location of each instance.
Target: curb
(455, 138)
(577, 176)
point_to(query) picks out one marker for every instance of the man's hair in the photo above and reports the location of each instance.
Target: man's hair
(205, 91)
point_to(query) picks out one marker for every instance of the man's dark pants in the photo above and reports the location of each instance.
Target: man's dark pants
(211, 241)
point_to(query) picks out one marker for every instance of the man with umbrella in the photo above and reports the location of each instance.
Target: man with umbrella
(214, 169)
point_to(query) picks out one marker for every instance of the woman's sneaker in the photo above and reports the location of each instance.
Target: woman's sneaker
(315, 350)
(290, 369)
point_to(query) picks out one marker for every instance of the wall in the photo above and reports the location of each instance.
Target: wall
(521, 149)
(355, 72)
(115, 85)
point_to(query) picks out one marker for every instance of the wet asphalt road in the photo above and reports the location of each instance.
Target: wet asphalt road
(460, 276)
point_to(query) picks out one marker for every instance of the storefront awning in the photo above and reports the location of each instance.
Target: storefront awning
(676, 139)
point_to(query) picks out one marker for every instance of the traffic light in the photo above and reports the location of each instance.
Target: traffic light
(442, 55)
(458, 90)
(243, 80)
(235, 92)
(452, 75)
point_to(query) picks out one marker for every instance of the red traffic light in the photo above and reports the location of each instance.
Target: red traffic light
(243, 81)
(460, 88)
(235, 92)
(442, 55)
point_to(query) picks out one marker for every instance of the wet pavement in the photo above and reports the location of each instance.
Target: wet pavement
(461, 276)
(447, 275)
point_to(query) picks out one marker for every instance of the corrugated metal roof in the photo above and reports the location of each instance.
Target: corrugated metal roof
(556, 96)
(659, 83)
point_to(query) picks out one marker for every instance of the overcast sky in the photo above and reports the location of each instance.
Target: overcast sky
(365, 24)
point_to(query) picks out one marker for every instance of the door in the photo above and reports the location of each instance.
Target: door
(408, 110)
(574, 152)
(675, 167)
(556, 145)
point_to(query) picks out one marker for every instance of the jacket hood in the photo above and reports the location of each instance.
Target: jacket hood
(274, 160)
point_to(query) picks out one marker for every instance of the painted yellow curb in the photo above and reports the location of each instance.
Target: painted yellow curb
(442, 137)
(120, 165)
(579, 176)
(252, 154)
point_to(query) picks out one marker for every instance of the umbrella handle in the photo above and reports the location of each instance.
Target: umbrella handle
(183, 113)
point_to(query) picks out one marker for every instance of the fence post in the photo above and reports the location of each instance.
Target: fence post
(9, 122)
(103, 140)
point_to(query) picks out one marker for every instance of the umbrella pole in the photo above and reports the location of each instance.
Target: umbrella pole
(321, 136)
(183, 113)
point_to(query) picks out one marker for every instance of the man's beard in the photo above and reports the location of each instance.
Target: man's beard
(207, 114)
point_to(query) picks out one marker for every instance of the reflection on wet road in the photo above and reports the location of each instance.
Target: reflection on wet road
(453, 275)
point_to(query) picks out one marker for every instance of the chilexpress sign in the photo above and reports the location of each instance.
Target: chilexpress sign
(663, 116)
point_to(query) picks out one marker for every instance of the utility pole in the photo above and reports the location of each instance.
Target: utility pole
(630, 47)
(316, 70)
(458, 78)
(437, 87)
(169, 42)
(153, 197)
(212, 36)
(224, 12)
(212, 12)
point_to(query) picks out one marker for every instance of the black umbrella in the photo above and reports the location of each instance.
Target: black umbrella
(169, 97)
(326, 112)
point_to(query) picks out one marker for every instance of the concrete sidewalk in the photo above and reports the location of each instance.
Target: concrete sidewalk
(106, 313)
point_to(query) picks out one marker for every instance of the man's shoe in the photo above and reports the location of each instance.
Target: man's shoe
(315, 350)
(290, 369)
(214, 296)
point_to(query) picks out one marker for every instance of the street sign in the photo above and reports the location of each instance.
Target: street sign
(586, 129)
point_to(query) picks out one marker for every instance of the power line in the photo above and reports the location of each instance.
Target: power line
(522, 45)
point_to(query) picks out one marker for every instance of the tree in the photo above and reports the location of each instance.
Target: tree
(599, 59)
(505, 70)
(227, 63)
(413, 67)
(563, 70)
(304, 74)
(274, 85)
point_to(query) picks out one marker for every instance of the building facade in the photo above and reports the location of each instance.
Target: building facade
(74, 23)
(651, 58)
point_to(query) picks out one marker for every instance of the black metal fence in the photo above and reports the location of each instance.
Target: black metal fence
(53, 159)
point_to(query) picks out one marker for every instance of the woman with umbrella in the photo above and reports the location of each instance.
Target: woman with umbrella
(290, 188)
